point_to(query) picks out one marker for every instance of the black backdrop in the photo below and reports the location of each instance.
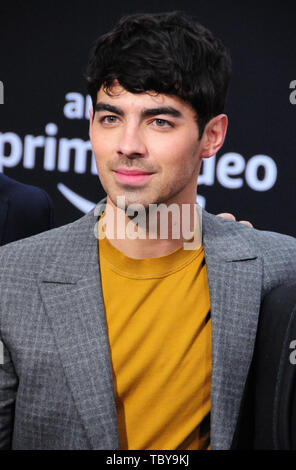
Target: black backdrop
(44, 48)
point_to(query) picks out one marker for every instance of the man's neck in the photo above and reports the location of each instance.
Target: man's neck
(155, 233)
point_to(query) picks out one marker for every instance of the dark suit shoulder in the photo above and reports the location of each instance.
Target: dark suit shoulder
(28, 210)
(32, 254)
(22, 196)
(10, 187)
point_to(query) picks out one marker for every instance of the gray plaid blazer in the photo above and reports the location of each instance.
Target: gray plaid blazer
(56, 389)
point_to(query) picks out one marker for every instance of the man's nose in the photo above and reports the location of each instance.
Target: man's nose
(131, 142)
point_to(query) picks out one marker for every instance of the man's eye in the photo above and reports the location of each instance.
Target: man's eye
(109, 119)
(162, 123)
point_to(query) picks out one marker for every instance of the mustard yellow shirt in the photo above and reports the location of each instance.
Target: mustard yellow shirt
(159, 329)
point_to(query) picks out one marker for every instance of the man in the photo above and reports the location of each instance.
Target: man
(137, 342)
(24, 210)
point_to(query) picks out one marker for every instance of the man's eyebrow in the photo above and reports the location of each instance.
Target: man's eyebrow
(108, 107)
(167, 110)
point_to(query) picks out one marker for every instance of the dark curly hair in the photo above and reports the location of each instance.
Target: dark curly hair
(166, 53)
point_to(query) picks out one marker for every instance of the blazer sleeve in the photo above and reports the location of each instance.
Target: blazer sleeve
(8, 389)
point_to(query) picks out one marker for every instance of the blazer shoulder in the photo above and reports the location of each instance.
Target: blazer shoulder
(235, 234)
(269, 240)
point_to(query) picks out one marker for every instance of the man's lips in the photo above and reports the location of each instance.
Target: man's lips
(135, 171)
(131, 176)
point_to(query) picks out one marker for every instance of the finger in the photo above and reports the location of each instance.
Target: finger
(245, 222)
(226, 215)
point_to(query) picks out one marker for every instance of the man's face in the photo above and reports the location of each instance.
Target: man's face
(155, 134)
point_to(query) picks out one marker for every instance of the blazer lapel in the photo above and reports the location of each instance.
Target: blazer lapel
(71, 291)
(235, 279)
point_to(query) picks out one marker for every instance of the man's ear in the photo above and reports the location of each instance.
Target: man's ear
(213, 136)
